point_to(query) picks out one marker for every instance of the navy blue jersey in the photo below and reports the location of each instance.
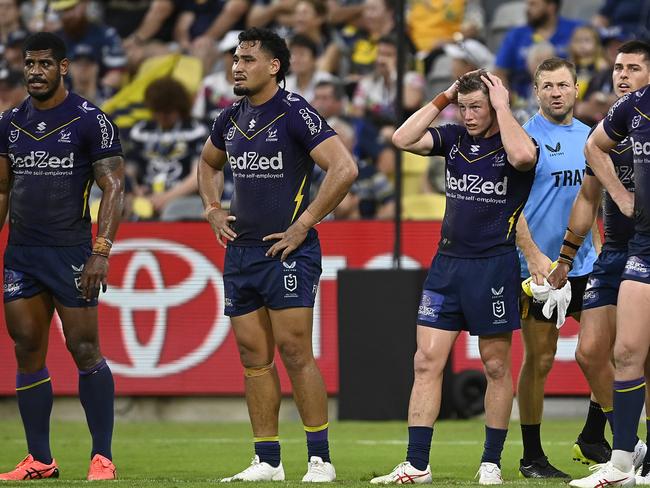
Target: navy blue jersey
(485, 193)
(267, 147)
(51, 153)
(629, 118)
(619, 229)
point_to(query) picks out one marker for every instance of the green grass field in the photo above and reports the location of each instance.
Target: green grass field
(194, 454)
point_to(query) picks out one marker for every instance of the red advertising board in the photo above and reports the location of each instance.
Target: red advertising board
(162, 325)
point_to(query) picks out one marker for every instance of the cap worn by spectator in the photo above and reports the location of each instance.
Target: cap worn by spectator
(59, 5)
(16, 38)
(229, 42)
(83, 51)
(471, 51)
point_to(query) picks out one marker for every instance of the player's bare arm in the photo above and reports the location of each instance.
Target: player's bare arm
(539, 265)
(109, 176)
(582, 219)
(597, 153)
(341, 171)
(210, 178)
(521, 150)
(413, 135)
(5, 187)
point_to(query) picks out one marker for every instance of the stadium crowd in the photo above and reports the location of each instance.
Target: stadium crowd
(161, 70)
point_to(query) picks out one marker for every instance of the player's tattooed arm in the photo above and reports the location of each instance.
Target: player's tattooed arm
(109, 175)
(5, 187)
(210, 179)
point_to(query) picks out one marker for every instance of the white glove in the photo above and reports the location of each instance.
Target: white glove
(553, 299)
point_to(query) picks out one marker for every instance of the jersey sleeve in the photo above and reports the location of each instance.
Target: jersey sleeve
(216, 134)
(306, 126)
(507, 54)
(615, 124)
(5, 121)
(101, 135)
(444, 136)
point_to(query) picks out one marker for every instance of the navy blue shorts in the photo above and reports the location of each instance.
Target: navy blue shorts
(604, 280)
(253, 280)
(480, 295)
(30, 270)
(637, 267)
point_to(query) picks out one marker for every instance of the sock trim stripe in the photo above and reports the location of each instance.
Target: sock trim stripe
(607, 409)
(273, 438)
(317, 429)
(626, 390)
(33, 385)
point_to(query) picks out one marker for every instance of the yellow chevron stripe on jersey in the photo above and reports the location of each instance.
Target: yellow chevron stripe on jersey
(262, 129)
(622, 150)
(45, 135)
(470, 161)
(644, 115)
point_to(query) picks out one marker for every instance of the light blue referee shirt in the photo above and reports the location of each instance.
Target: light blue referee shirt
(559, 174)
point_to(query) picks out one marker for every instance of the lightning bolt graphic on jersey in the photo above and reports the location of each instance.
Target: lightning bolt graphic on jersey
(511, 220)
(85, 197)
(299, 198)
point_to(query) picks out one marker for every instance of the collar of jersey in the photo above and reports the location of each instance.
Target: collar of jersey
(44, 135)
(470, 161)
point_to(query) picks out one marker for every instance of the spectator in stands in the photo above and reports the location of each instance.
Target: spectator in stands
(145, 25)
(202, 23)
(13, 50)
(600, 96)
(164, 152)
(374, 98)
(431, 24)
(524, 108)
(12, 89)
(585, 52)
(141, 21)
(77, 28)
(358, 45)
(632, 16)
(310, 20)
(9, 19)
(84, 74)
(543, 23)
(216, 90)
(304, 74)
(330, 100)
(272, 14)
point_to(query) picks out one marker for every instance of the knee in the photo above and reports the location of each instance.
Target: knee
(587, 357)
(496, 369)
(26, 339)
(294, 355)
(425, 363)
(627, 356)
(541, 360)
(84, 352)
(252, 358)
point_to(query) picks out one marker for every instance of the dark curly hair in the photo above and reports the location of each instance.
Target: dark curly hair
(168, 95)
(273, 44)
(42, 41)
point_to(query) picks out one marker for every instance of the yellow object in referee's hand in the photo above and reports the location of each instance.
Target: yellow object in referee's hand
(525, 285)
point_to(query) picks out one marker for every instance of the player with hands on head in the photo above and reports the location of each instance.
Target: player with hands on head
(477, 246)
